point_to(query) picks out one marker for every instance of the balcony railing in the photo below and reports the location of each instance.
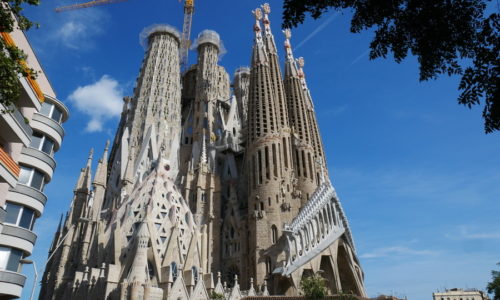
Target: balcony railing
(7, 161)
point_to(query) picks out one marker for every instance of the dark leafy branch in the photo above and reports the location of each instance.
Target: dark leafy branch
(451, 37)
(11, 57)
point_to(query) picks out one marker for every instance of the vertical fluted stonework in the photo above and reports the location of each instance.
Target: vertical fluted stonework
(157, 96)
(313, 127)
(298, 110)
(268, 159)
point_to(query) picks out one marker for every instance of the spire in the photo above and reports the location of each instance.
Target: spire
(269, 38)
(99, 183)
(316, 138)
(83, 183)
(301, 62)
(259, 55)
(102, 168)
(290, 64)
(89, 159)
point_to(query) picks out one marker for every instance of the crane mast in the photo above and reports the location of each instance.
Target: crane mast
(186, 32)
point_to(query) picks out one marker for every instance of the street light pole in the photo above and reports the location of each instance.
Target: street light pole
(30, 262)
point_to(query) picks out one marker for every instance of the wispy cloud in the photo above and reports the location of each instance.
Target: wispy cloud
(101, 101)
(75, 30)
(427, 183)
(80, 27)
(365, 53)
(465, 233)
(317, 30)
(397, 251)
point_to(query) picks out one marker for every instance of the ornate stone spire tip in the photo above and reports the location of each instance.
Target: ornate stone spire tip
(257, 13)
(288, 33)
(300, 62)
(266, 8)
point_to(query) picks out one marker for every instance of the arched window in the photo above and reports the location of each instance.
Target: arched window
(274, 234)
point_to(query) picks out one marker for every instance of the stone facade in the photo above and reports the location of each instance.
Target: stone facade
(201, 181)
(460, 294)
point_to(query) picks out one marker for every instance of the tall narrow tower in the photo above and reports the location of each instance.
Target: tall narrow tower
(202, 185)
(299, 109)
(313, 127)
(268, 156)
(157, 98)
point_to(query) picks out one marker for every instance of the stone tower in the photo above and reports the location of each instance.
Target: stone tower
(268, 154)
(157, 100)
(298, 109)
(203, 180)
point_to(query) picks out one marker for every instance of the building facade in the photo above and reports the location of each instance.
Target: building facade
(460, 294)
(31, 133)
(206, 188)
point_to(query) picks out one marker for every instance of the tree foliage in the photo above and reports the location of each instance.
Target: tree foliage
(494, 286)
(217, 296)
(447, 37)
(313, 287)
(12, 58)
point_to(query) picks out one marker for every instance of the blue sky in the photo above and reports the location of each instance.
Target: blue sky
(418, 178)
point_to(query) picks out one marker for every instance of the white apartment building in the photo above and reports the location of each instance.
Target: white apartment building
(31, 133)
(460, 294)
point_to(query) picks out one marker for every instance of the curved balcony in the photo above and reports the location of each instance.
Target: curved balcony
(14, 127)
(18, 237)
(11, 283)
(60, 105)
(27, 196)
(39, 160)
(48, 126)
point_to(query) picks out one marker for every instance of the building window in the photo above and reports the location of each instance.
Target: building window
(19, 215)
(51, 111)
(9, 259)
(274, 233)
(42, 143)
(173, 269)
(31, 177)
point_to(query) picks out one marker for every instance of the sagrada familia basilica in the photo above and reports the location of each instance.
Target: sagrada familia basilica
(210, 186)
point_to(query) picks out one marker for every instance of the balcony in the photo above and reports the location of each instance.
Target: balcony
(9, 169)
(49, 127)
(38, 159)
(14, 127)
(11, 284)
(18, 237)
(27, 196)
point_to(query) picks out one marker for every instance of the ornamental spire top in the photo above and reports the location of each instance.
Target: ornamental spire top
(288, 47)
(267, 24)
(259, 52)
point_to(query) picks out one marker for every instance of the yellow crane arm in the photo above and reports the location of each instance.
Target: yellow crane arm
(86, 4)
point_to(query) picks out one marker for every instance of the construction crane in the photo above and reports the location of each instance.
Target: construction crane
(86, 4)
(186, 33)
(186, 25)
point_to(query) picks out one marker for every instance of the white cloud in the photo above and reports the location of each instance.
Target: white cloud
(397, 251)
(76, 29)
(101, 101)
